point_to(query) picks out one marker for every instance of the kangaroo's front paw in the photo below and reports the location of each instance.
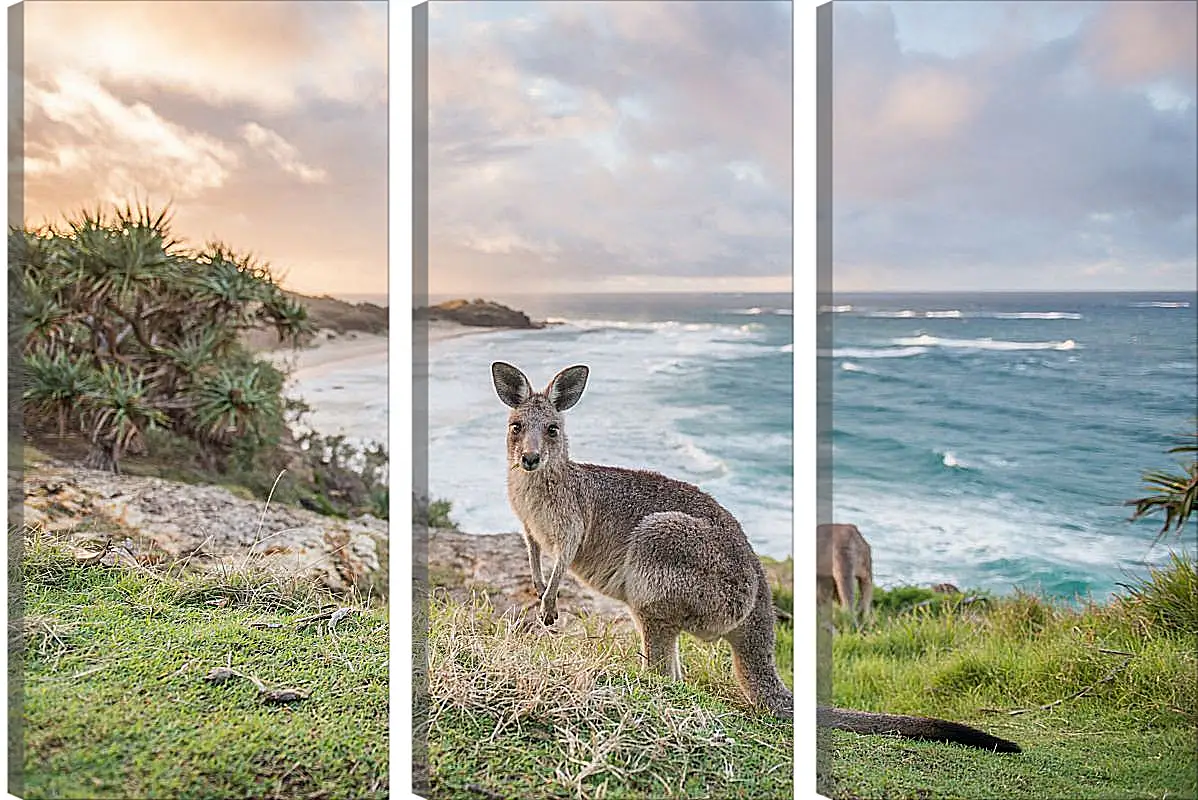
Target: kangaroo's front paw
(548, 611)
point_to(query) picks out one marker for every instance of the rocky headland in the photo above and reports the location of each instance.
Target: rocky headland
(477, 313)
(333, 319)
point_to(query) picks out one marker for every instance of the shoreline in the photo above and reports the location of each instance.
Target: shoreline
(440, 330)
(325, 352)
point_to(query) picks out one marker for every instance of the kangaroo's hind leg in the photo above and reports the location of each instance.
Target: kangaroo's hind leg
(659, 646)
(846, 582)
(753, 657)
(866, 579)
(683, 574)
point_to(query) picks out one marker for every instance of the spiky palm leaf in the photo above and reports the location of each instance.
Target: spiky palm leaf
(195, 353)
(231, 286)
(236, 402)
(119, 407)
(43, 315)
(1172, 494)
(288, 316)
(54, 385)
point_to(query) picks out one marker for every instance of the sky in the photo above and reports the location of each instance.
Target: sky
(610, 146)
(263, 123)
(1005, 146)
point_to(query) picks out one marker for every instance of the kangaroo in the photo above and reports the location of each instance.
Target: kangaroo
(844, 568)
(674, 556)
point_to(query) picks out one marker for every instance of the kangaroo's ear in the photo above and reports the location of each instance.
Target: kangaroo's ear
(566, 387)
(510, 384)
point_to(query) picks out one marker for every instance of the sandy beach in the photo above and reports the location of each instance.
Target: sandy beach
(341, 350)
(440, 330)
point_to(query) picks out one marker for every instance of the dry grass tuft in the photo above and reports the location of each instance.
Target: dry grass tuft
(42, 634)
(581, 693)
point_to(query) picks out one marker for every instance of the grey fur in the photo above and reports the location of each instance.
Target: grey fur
(668, 550)
(844, 569)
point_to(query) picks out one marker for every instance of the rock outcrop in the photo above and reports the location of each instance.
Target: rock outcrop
(497, 565)
(208, 526)
(477, 313)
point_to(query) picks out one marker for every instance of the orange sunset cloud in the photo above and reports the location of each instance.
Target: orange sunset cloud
(263, 123)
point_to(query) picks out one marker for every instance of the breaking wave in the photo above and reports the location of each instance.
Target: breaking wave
(981, 344)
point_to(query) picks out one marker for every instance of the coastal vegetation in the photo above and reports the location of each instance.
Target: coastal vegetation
(139, 680)
(135, 357)
(1172, 495)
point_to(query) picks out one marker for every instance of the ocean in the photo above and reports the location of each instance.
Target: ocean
(698, 387)
(990, 440)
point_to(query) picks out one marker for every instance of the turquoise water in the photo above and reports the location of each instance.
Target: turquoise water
(990, 440)
(698, 387)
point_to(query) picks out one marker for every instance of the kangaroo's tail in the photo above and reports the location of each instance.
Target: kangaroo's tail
(928, 728)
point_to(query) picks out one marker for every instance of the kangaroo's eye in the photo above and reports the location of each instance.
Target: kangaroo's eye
(552, 431)
(516, 427)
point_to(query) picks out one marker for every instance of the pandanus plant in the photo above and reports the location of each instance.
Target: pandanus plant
(125, 330)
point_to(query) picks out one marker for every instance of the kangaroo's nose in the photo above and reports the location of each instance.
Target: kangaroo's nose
(530, 461)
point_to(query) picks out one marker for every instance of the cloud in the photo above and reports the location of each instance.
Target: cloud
(609, 143)
(1022, 162)
(1132, 43)
(283, 152)
(90, 133)
(267, 55)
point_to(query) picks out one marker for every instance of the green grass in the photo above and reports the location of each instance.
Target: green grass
(116, 703)
(1117, 681)
(438, 515)
(516, 711)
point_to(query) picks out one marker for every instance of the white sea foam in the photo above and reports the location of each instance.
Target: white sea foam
(1031, 315)
(924, 340)
(849, 366)
(624, 325)
(697, 461)
(787, 348)
(950, 460)
(757, 310)
(1161, 304)
(835, 309)
(671, 365)
(931, 538)
(908, 313)
(872, 352)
